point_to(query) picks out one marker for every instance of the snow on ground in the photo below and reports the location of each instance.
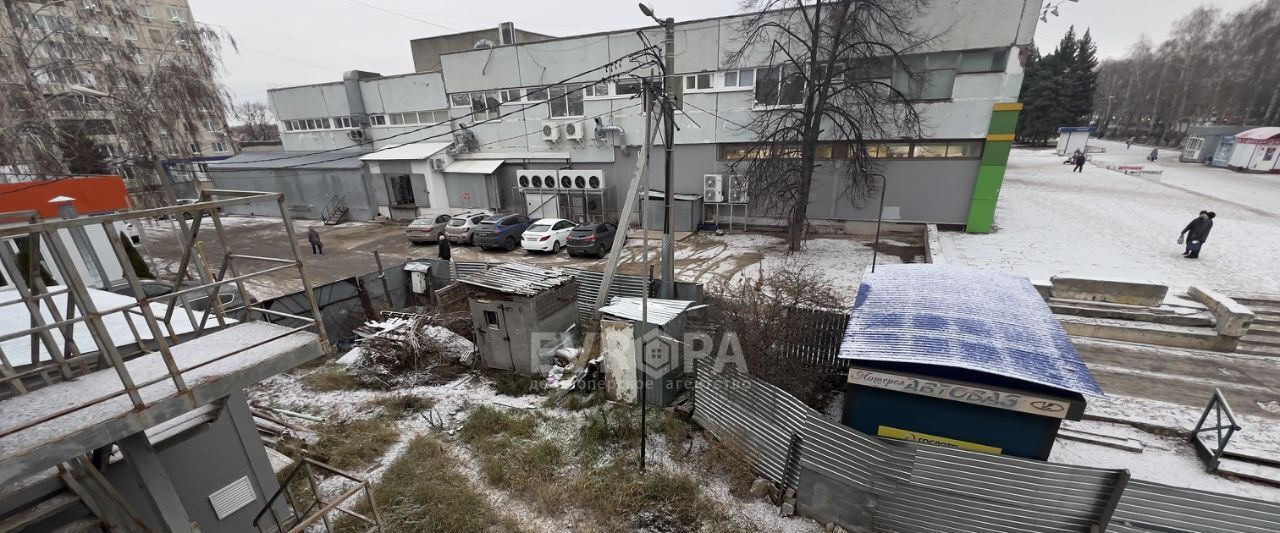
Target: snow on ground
(1102, 223)
(1167, 460)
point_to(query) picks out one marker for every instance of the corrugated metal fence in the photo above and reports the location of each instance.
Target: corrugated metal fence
(867, 484)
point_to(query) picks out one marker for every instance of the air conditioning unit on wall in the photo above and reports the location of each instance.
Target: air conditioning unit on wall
(713, 188)
(437, 163)
(550, 132)
(738, 188)
(573, 131)
(582, 180)
(534, 179)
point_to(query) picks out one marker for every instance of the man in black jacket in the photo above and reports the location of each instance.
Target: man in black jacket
(1196, 232)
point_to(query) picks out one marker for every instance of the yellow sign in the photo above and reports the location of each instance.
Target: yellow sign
(925, 438)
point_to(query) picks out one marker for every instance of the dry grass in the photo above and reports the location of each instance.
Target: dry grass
(403, 404)
(424, 492)
(330, 378)
(354, 444)
(514, 384)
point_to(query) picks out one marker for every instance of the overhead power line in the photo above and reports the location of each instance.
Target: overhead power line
(402, 15)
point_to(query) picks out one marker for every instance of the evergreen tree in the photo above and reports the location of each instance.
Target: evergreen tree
(1085, 70)
(81, 155)
(1057, 89)
(24, 258)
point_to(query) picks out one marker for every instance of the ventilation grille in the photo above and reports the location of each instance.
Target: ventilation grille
(232, 498)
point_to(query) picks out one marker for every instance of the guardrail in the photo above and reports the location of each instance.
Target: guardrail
(45, 242)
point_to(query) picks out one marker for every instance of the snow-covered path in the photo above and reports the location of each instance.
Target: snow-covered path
(1101, 223)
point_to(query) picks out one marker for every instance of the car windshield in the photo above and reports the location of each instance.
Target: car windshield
(538, 228)
(421, 222)
(458, 222)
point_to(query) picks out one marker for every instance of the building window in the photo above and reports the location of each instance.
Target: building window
(176, 14)
(130, 32)
(195, 148)
(219, 146)
(401, 188)
(536, 95)
(210, 125)
(491, 319)
(146, 12)
(50, 23)
(484, 106)
(342, 123)
(566, 101)
(157, 36)
(697, 82)
(599, 90)
(926, 76)
(1269, 154)
(629, 87)
(377, 120)
(511, 95)
(779, 86)
(924, 149)
(992, 60)
(744, 78)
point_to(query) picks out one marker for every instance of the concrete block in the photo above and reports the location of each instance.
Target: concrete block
(760, 487)
(788, 509)
(1147, 333)
(1045, 289)
(1111, 291)
(933, 245)
(1233, 318)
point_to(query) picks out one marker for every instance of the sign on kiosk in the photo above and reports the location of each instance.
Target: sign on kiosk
(1010, 400)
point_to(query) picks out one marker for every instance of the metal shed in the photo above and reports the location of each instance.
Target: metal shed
(521, 314)
(960, 357)
(643, 348)
(688, 212)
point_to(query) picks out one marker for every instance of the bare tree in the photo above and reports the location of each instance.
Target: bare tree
(254, 122)
(140, 84)
(839, 73)
(1212, 69)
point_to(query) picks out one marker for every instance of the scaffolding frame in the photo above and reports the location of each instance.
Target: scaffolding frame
(70, 361)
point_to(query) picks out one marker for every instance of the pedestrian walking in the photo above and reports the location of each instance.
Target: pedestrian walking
(443, 249)
(313, 237)
(1079, 161)
(1195, 233)
(1154, 152)
(1127, 142)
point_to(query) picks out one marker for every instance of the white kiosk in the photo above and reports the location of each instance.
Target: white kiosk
(1072, 139)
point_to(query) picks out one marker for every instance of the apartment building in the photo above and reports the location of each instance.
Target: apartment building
(94, 60)
(516, 139)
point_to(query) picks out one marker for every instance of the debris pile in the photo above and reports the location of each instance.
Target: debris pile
(407, 350)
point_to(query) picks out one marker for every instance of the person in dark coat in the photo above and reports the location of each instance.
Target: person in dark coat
(1079, 161)
(1154, 153)
(444, 252)
(313, 237)
(1196, 232)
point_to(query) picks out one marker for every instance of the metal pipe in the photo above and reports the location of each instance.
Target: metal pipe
(255, 257)
(8, 259)
(875, 250)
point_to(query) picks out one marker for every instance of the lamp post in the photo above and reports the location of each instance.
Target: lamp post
(669, 166)
(875, 249)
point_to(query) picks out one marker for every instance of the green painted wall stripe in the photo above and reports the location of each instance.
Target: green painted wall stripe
(995, 157)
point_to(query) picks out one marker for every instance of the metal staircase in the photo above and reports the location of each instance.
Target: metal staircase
(74, 498)
(335, 212)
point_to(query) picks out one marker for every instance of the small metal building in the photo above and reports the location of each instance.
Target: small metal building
(1074, 138)
(963, 358)
(521, 314)
(1257, 150)
(642, 348)
(1202, 142)
(687, 207)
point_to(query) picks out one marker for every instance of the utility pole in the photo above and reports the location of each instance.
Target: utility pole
(669, 145)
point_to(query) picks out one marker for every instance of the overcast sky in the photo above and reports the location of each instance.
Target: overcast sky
(293, 42)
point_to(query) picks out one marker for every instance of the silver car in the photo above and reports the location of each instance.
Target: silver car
(459, 229)
(428, 229)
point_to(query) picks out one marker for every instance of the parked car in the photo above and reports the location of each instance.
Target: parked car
(594, 239)
(547, 235)
(429, 229)
(196, 300)
(500, 232)
(459, 230)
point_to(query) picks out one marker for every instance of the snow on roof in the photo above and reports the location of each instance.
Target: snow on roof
(519, 279)
(963, 317)
(415, 151)
(1259, 134)
(660, 313)
(15, 317)
(480, 166)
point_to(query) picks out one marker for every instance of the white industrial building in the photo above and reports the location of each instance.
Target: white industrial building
(593, 132)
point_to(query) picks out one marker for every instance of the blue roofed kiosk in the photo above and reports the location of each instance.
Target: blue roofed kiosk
(960, 357)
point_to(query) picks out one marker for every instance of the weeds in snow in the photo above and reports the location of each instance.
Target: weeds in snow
(330, 378)
(353, 444)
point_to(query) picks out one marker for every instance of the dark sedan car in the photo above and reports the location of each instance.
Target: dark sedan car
(500, 232)
(595, 239)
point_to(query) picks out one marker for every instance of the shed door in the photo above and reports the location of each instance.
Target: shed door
(1264, 158)
(494, 336)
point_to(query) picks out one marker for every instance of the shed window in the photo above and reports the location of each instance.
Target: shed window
(491, 319)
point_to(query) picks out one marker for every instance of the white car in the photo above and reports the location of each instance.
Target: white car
(547, 235)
